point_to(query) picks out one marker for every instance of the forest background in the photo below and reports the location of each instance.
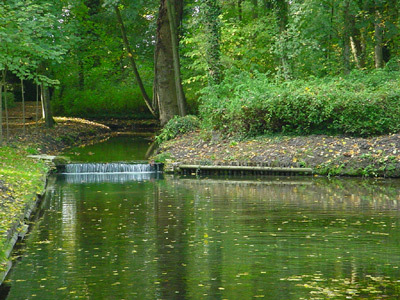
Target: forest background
(245, 68)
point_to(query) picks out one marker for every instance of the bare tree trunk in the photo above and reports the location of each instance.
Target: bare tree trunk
(175, 52)
(48, 116)
(165, 87)
(132, 62)
(23, 106)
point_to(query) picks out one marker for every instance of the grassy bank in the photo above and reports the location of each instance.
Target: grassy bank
(21, 179)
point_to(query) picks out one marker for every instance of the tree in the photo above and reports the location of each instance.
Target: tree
(32, 36)
(346, 36)
(132, 61)
(211, 12)
(378, 35)
(167, 83)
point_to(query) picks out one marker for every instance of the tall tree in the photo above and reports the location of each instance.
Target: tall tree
(282, 13)
(132, 61)
(166, 83)
(32, 35)
(2, 84)
(48, 115)
(378, 34)
(346, 36)
(212, 29)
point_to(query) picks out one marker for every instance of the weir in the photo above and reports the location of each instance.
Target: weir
(109, 168)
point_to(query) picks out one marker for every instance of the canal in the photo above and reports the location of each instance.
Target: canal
(145, 235)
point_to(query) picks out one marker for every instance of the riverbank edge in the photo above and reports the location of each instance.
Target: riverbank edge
(19, 229)
(324, 155)
(55, 144)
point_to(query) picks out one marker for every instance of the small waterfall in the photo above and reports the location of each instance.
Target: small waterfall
(110, 172)
(110, 168)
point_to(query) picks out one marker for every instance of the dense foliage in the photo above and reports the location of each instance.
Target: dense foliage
(298, 66)
(357, 104)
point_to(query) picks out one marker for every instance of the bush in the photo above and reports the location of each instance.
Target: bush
(250, 104)
(176, 126)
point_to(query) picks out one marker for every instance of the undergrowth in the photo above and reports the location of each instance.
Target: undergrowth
(251, 104)
(176, 126)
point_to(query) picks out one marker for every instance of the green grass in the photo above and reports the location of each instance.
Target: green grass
(24, 178)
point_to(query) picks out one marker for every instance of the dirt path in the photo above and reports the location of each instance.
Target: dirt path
(67, 132)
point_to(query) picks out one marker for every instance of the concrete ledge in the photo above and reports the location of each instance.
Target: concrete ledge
(250, 170)
(20, 229)
(4, 274)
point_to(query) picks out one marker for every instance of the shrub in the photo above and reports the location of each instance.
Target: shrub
(176, 126)
(250, 104)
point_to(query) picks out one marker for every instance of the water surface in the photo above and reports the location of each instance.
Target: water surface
(117, 148)
(189, 238)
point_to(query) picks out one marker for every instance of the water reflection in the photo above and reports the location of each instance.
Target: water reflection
(110, 177)
(214, 239)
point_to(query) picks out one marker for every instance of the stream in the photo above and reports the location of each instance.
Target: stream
(145, 235)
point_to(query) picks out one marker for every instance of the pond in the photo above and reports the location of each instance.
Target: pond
(168, 237)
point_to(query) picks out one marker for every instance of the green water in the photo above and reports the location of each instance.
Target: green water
(145, 236)
(214, 239)
(118, 148)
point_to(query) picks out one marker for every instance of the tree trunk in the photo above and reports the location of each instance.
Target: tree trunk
(173, 24)
(391, 48)
(255, 9)
(346, 38)
(212, 28)
(23, 106)
(37, 107)
(2, 83)
(240, 10)
(48, 116)
(282, 9)
(378, 35)
(81, 75)
(357, 44)
(6, 106)
(132, 62)
(165, 86)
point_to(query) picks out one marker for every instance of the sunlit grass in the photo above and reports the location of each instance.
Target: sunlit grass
(24, 178)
